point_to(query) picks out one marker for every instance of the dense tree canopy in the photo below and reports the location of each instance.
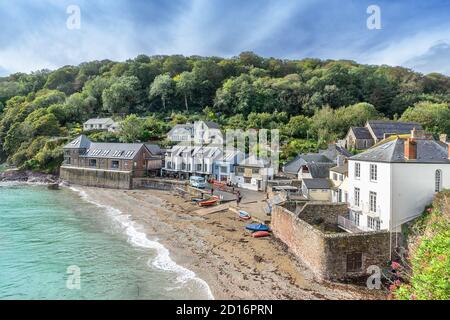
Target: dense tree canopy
(311, 101)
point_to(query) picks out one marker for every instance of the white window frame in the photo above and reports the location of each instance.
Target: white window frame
(373, 172)
(373, 223)
(357, 170)
(357, 194)
(372, 201)
(438, 181)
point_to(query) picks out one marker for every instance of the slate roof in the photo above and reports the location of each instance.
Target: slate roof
(333, 151)
(318, 164)
(428, 151)
(126, 151)
(340, 169)
(99, 121)
(154, 149)
(361, 133)
(81, 142)
(294, 165)
(317, 183)
(187, 127)
(212, 124)
(379, 128)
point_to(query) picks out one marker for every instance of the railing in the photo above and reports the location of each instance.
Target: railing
(350, 225)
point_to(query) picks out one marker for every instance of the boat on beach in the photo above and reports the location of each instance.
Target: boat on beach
(244, 215)
(211, 202)
(260, 234)
(257, 227)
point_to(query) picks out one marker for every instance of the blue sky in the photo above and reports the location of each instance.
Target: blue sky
(415, 34)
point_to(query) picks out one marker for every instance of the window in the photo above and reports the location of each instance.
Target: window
(354, 262)
(438, 181)
(373, 201)
(373, 172)
(68, 160)
(198, 167)
(169, 165)
(224, 169)
(92, 162)
(115, 164)
(373, 223)
(335, 176)
(255, 171)
(357, 170)
(356, 218)
(357, 191)
(341, 177)
(247, 180)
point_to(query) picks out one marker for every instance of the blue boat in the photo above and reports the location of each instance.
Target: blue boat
(244, 213)
(257, 227)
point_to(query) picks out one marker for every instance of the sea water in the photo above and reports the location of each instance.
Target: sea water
(57, 244)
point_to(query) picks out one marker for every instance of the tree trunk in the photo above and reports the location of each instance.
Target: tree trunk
(164, 103)
(186, 103)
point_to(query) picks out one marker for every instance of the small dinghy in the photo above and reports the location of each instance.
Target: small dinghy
(257, 227)
(244, 215)
(197, 199)
(260, 234)
(208, 203)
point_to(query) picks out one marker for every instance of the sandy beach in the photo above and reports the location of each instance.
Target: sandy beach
(218, 249)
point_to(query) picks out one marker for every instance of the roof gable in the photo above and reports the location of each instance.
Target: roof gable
(393, 151)
(380, 128)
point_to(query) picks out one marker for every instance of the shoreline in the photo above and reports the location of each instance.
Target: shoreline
(137, 237)
(217, 250)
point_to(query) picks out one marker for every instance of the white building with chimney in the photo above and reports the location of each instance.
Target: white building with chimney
(390, 184)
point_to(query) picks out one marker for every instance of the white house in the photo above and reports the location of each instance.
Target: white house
(199, 132)
(106, 124)
(186, 160)
(391, 183)
(253, 173)
(339, 181)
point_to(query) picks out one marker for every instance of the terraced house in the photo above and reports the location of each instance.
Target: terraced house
(108, 164)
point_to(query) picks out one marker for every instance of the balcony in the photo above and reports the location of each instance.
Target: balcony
(350, 226)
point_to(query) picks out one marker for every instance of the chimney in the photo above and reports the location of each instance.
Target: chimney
(448, 150)
(417, 134)
(410, 149)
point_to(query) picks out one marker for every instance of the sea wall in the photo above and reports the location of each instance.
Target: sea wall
(331, 255)
(97, 178)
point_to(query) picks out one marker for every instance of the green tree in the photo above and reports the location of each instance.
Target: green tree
(185, 84)
(121, 96)
(131, 129)
(434, 117)
(162, 87)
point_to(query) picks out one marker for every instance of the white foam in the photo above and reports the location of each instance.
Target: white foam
(162, 260)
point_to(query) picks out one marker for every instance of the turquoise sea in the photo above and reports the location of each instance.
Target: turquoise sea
(56, 245)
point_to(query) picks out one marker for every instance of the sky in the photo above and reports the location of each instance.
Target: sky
(414, 34)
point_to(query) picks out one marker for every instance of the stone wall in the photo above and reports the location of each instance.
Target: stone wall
(158, 184)
(97, 178)
(325, 253)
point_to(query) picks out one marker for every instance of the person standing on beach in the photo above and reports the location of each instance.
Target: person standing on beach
(238, 198)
